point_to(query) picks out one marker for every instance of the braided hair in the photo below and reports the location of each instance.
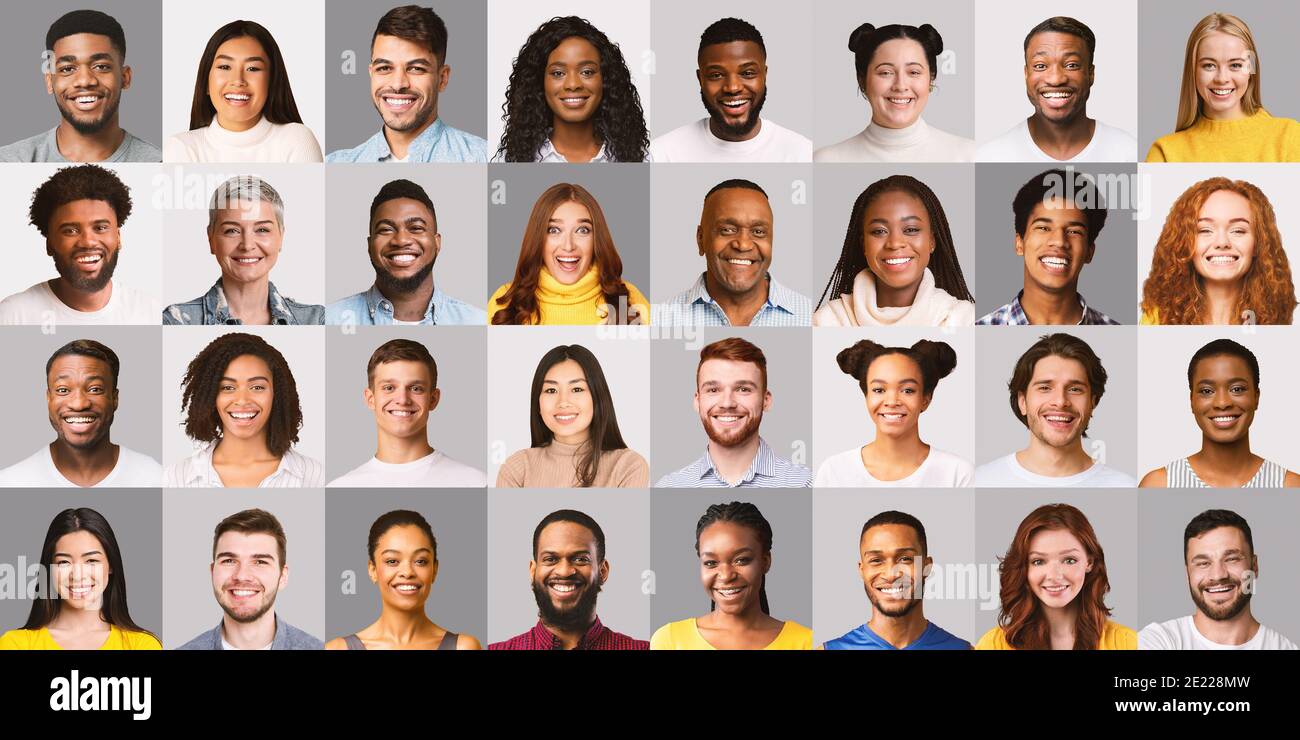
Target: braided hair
(746, 515)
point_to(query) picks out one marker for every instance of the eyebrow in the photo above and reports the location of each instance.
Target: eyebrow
(1231, 220)
(86, 554)
(417, 551)
(254, 556)
(583, 220)
(61, 376)
(885, 221)
(1212, 59)
(1052, 221)
(556, 382)
(246, 59)
(562, 554)
(1206, 556)
(255, 223)
(735, 220)
(904, 380)
(96, 222)
(255, 377)
(1211, 381)
(92, 58)
(419, 60)
(1071, 551)
(741, 551)
(896, 550)
(1067, 381)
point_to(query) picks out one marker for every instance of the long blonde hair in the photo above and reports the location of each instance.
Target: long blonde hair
(1189, 101)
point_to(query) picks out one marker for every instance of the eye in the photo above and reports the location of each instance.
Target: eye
(583, 560)
(67, 69)
(727, 230)
(590, 72)
(223, 67)
(548, 390)
(102, 67)
(710, 563)
(1036, 561)
(1038, 66)
(1239, 389)
(578, 389)
(758, 233)
(390, 562)
(230, 231)
(383, 68)
(1071, 561)
(584, 229)
(552, 229)
(61, 391)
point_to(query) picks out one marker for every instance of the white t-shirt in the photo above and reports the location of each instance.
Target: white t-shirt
(264, 142)
(227, 646)
(133, 470)
(434, 470)
(939, 470)
(1181, 634)
(919, 142)
(1109, 144)
(1007, 471)
(694, 142)
(39, 305)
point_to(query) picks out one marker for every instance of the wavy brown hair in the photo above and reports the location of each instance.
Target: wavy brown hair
(1021, 614)
(1176, 290)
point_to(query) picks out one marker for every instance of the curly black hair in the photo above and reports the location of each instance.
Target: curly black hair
(202, 382)
(619, 121)
(82, 182)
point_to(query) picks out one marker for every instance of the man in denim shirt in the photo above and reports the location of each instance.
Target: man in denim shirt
(407, 71)
(403, 244)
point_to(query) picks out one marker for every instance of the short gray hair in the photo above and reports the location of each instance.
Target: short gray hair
(245, 188)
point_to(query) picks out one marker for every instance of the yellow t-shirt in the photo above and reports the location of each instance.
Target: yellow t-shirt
(1114, 636)
(581, 303)
(684, 635)
(1257, 138)
(118, 639)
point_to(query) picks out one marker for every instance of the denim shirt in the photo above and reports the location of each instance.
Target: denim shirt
(287, 637)
(437, 143)
(211, 309)
(371, 307)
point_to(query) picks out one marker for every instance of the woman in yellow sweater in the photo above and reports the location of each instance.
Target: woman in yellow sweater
(568, 271)
(1054, 587)
(1220, 114)
(82, 564)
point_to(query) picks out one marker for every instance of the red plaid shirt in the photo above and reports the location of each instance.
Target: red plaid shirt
(598, 637)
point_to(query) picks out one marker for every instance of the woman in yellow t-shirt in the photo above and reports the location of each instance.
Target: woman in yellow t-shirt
(569, 271)
(734, 544)
(82, 564)
(1054, 587)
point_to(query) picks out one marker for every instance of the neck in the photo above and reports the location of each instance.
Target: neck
(718, 132)
(740, 308)
(237, 451)
(576, 142)
(569, 639)
(1062, 140)
(399, 142)
(750, 619)
(890, 297)
(79, 620)
(1229, 457)
(733, 461)
(412, 306)
(1054, 462)
(899, 631)
(403, 626)
(248, 302)
(84, 465)
(1236, 631)
(1054, 307)
(1061, 622)
(397, 450)
(904, 446)
(1223, 299)
(573, 440)
(94, 147)
(1236, 113)
(79, 300)
(249, 635)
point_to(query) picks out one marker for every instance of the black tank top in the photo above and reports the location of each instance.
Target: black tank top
(448, 642)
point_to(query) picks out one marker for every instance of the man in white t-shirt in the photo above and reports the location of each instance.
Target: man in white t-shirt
(402, 389)
(80, 211)
(733, 86)
(81, 392)
(1054, 390)
(1222, 573)
(1059, 73)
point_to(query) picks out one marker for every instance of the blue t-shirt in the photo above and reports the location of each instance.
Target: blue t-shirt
(862, 638)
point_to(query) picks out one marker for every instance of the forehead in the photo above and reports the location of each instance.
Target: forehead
(84, 45)
(891, 537)
(726, 536)
(241, 47)
(570, 210)
(1220, 45)
(562, 372)
(1054, 540)
(245, 366)
(79, 364)
(574, 48)
(896, 200)
(1225, 203)
(247, 542)
(405, 371)
(401, 209)
(77, 542)
(1056, 367)
(1218, 367)
(397, 49)
(566, 537)
(906, 51)
(1058, 209)
(1217, 540)
(732, 53)
(893, 365)
(1054, 43)
(84, 210)
(729, 371)
(247, 210)
(738, 203)
(404, 538)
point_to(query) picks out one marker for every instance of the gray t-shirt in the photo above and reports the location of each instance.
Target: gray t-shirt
(45, 148)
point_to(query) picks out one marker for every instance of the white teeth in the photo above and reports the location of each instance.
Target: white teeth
(1223, 91)
(893, 590)
(1055, 589)
(407, 588)
(242, 592)
(1059, 419)
(1223, 259)
(237, 96)
(88, 259)
(399, 102)
(899, 101)
(565, 417)
(1055, 261)
(744, 263)
(563, 588)
(243, 414)
(78, 419)
(1057, 94)
(87, 99)
(568, 260)
(1219, 589)
(734, 103)
(402, 259)
(728, 591)
(399, 412)
(248, 260)
(726, 419)
(892, 417)
(1223, 419)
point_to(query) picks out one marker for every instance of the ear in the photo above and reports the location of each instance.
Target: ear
(49, 84)
(699, 238)
(925, 402)
(369, 395)
(767, 562)
(926, 566)
(126, 77)
(434, 398)
(444, 76)
(284, 576)
(1020, 401)
(532, 571)
(767, 400)
(604, 571)
(699, 77)
(1092, 249)
(437, 246)
(115, 399)
(1020, 246)
(695, 403)
(370, 568)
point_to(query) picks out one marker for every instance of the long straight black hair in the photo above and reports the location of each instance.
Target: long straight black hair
(279, 108)
(603, 433)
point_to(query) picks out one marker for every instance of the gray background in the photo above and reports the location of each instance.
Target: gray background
(677, 202)
(679, 593)
(299, 273)
(840, 185)
(31, 110)
(841, 109)
(678, 434)
(136, 519)
(839, 603)
(840, 418)
(457, 426)
(461, 209)
(622, 515)
(458, 601)
(189, 519)
(1112, 430)
(135, 425)
(1166, 25)
(348, 27)
(1002, 272)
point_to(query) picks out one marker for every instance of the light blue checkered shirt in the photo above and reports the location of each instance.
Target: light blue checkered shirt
(695, 307)
(768, 470)
(371, 308)
(438, 143)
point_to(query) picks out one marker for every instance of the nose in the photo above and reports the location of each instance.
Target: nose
(572, 81)
(563, 569)
(403, 396)
(83, 78)
(1055, 74)
(1222, 399)
(1217, 571)
(732, 83)
(78, 399)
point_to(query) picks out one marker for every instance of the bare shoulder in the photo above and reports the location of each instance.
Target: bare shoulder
(1158, 478)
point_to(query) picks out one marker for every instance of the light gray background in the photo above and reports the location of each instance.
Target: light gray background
(679, 594)
(348, 28)
(1113, 515)
(1002, 271)
(1112, 433)
(513, 355)
(622, 190)
(31, 110)
(840, 418)
(298, 27)
(1000, 59)
(189, 519)
(679, 435)
(677, 202)
(136, 519)
(457, 426)
(461, 211)
(675, 27)
(1169, 181)
(627, 24)
(299, 273)
(840, 186)
(139, 267)
(622, 515)
(841, 110)
(1166, 25)
(1165, 421)
(839, 603)
(303, 348)
(1162, 517)
(458, 601)
(135, 425)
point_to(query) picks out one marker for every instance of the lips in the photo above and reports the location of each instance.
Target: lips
(80, 422)
(728, 420)
(1055, 264)
(1056, 99)
(564, 590)
(1220, 590)
(735, 107)
(897, 264)
(565, 418)
(897, 590)
(1222, 259)
(740, 262)
(574, 101)
(900, 102)
(85, 101)
(237, 100)
(88, 261)
(892, 417)
(1058, 420)
(568, 263)
(242, 593)
(729, 593)
(80, 592)
(402, 259)
(1055, 590)
(242, 418)
(1224, 421)
(1222, 92)
(402, 413)
(398, 102)
(407, 589)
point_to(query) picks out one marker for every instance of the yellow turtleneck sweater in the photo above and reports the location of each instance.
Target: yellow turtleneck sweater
(1257, 138)
(579, 303)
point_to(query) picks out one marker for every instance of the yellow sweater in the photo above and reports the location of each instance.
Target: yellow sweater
(580, 303)
(118, 639)
(1114, 636)
(1258, 138)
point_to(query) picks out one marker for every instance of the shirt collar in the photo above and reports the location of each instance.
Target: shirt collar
(543, 636)
(201, 470)
(214, 302)
(547, 152)
(762, 464)
(778, 296)
(419, 146)
(1019, 315)
(375, 301)
(278, 642)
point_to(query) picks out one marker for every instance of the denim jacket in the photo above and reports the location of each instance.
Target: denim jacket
(212, 309)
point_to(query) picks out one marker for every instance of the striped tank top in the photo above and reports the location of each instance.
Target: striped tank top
(1179, 474)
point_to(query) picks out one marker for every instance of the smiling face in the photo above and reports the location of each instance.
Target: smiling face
(565, 404)
(567, 575)
(896, 239)
(573, 84)
(405, 80)
(244, 398)
(1058, 403)
(897, 83)
(401, 397)
(1221, 569)
(735, 239)
(81, 400)
(239, 82)
(81, 570)
(570, 248)
(87, 81)
(403, 245)
(895, 397)
(246, 240)
(1225, 238)
(247, 574)
(733, 86)
(730, 399)
(404, 568)
(1058, 76)
(893, 568)
(1224, 398)
(84, 240)
(1224, 65)
(1055, 246)
(732, 566)
(1058, 566)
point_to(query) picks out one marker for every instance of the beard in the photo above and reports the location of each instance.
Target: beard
(734, 130)
(902, 611)
(389, 284)
(737, 437)
(72, 276)
(1228, 610)
(576, 617)
(248, 618)
(87, 128)
(418, 117)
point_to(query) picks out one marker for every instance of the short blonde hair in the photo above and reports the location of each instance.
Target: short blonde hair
(1190, 106)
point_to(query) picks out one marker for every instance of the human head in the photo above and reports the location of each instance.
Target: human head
(731, 392)
(568, 568)
(897, 382)
(1219, 553)
(408, 67)
(1057, 215)
(735, 237)
(404, 242)
(1059, 72)
(602, 432)
(81, 392)
(1223, 378)
(245, 228)
(88, 59)
(202, 389)
(744, 543)
(893, 554)
(402, 388)
(249, 565)
(895, 68)
(1233, 40)
(267, 77)
(732, 72)
(1070, 387)
(80, 211)
(407, 565)
(934, 359)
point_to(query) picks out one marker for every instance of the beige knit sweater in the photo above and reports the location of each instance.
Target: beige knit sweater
(555, 466)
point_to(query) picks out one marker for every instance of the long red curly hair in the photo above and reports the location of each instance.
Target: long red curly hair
(1021, 614)
(1177, 291)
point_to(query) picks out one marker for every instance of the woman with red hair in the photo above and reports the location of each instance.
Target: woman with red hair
(1054, 587)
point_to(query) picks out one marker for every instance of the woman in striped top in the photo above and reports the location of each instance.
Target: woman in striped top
(1223, 377)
